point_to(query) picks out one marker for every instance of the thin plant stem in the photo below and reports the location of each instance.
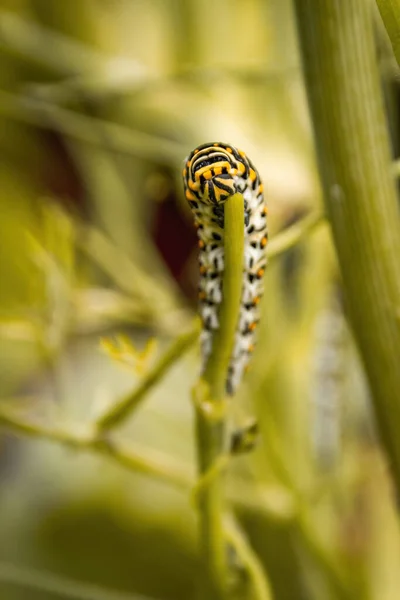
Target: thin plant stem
(126, 405)
(343, 86)
(249, 559)
(217, 365)
(26, 38)
(87, 129)
(62, 587)
(117, 413)
(134, 458)
(324, 560)
(147, 462)
(209, 397)
(294, 234)
(105, 254)
(127, 274)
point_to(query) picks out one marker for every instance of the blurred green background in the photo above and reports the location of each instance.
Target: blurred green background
(100, 102)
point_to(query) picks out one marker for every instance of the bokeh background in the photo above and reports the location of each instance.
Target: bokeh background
(100, 102)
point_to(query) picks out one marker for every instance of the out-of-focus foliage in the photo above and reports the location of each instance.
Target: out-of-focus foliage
(100, 101)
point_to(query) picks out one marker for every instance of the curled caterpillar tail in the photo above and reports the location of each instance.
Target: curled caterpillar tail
(212, 173)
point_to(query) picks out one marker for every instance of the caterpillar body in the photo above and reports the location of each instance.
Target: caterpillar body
(212, 173)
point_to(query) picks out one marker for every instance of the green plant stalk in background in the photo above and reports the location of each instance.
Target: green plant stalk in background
(342, 80)
(209, 399)
(390, 13)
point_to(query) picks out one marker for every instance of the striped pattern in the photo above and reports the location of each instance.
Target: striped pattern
(212, 173)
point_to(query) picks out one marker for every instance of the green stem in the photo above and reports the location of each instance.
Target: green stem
(342, 78)
(138, 459)
(324, 560)
(248, 558)
(86, 129)
(209, 397)
(217, 365)
(146, 461)
(50, 584)
(294, 234)
(390, 13)
(122, 409)
(26, 38)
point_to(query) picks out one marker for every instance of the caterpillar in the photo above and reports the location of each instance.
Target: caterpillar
(213, 172)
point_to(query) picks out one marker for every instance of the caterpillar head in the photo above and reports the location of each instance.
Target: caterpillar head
(211, 173)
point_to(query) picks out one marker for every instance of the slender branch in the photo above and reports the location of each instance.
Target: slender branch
(302, 525)
(134, 458)
(325, 561)
(89, 129)
(127, 274)
(342, 77)
(29, 39)
(124, 407)
(83, 128)
(250, 561)
(245, 495)
(390, 13)
(294, 234)
(49, 583)
(94, 74)
(146, 461)
(283, 241)
(209, 398)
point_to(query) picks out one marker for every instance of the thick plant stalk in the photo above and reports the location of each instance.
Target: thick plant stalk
(209, 398)
(342, 80)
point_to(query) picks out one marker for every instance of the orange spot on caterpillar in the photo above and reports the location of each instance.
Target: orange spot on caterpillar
(207, 175)
(264, 241)
(242, 154)
(215, 144)
(218, 170)
(202, 269)
(195, 151)
(264, 211)
(201, 244)
(252, 326)
(260, 273)
(252, 175)
(261, 187)
(229, 150)
(256, 300)
(189, 195)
